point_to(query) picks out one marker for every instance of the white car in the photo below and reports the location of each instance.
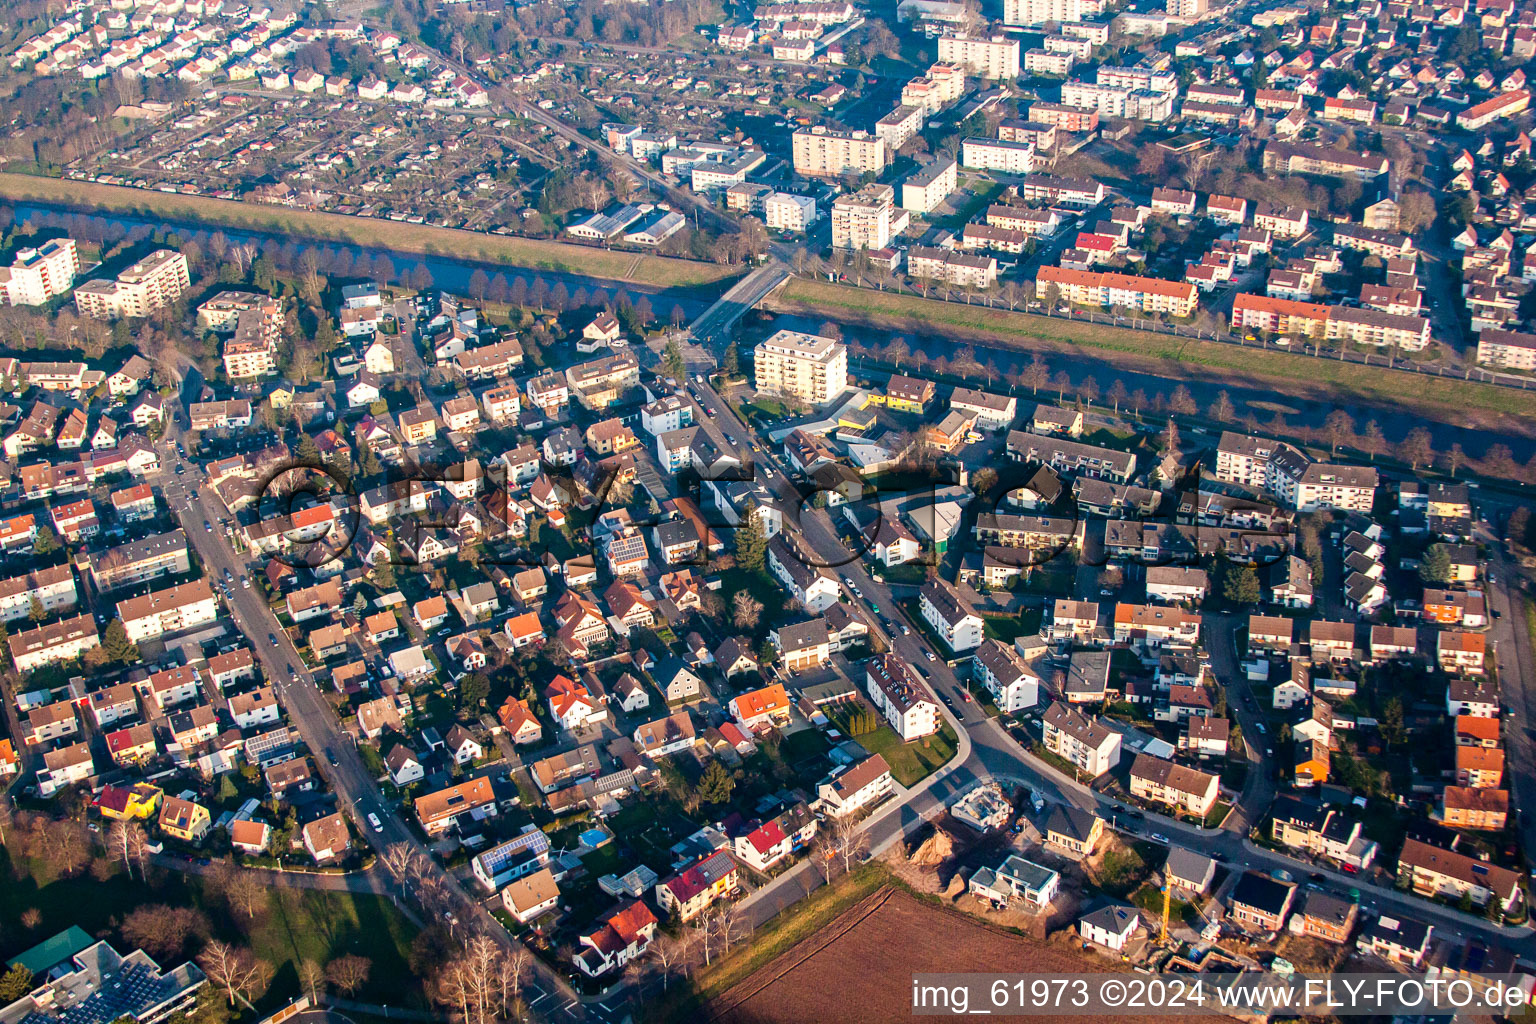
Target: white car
(373, 819)
(929, 656)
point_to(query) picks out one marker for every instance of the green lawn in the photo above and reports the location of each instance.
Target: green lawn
(297, 924)
(1005, 328)
(915, 761)
(915, 573)
(1218, 814)
(1009, 628)
(532, 253)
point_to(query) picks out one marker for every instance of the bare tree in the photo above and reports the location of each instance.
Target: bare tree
(242, 889)
(480, 983)
(236, 970)
(403, 861)
(119, 844)
(1338, 428)
(824, 855)
(730, 925)
(519, 964)
(1418, 447)
(349, 973)
(138, 849)
(852, 840)
(1036, 375)
(312, 978)
(745, 610)
(671, 954)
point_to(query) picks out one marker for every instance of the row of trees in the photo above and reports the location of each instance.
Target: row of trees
(1339, 430)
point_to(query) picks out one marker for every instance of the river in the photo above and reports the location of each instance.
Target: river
(1265, 404)
(449, 274)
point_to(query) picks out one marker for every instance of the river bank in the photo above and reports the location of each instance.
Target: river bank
(1462, 403)
(420, 239)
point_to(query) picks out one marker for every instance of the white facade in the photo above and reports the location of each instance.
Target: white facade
(785, 212)
(996, 57)
(804, 366)
(40, 274)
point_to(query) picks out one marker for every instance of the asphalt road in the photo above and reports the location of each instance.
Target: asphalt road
(336, 757)
(992, 754)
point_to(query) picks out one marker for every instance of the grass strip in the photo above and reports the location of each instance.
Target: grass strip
(368, 232)
(1005, 328)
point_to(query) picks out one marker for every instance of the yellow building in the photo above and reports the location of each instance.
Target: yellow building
(185, 820)
(127, 803)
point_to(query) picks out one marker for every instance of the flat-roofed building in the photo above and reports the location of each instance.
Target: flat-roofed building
(867, 219)
(157, 280)
(38, 275)
(821, 152)
(994, 57)
(928, 186)
(808, 367)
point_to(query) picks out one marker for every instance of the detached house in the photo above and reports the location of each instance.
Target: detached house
(1260, 903)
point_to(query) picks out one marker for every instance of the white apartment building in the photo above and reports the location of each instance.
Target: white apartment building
(1038, 12)
(1507, 348)
(784, 212)
(40, 274)
(168, 611)
(898, 126)
(997, 155)
(995, 57)
(157, 280)
(1086, 742)
(821, 152)
(804, 366)
(1138, 76)
(929, 185)
(252, 352)
(1048, 62)
(900, 695)
(941, 86)
(867, 219)
(950, 615)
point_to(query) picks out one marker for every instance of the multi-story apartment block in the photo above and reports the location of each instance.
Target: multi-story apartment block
(38, 275)
(138, 561)
(994, 57)
(998, 155)
(1335, 323)
(804, 366)
(157, 280)
(1178, 786)
(53, 588)
(1082, 739)
(896, 690)
(957, 269)
(867, 219)
(821, 152)
(791, 213)
(252, 351)
(1094, 288)
(897, 127)
(929, 185)
(64, 640)
(950, 615)
(1038, 12)
(1509, 349)
(168, 611)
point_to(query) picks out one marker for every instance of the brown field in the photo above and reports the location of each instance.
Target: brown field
(860, 966)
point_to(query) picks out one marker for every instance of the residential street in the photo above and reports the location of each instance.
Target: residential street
(987, 752)
(335, 755)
